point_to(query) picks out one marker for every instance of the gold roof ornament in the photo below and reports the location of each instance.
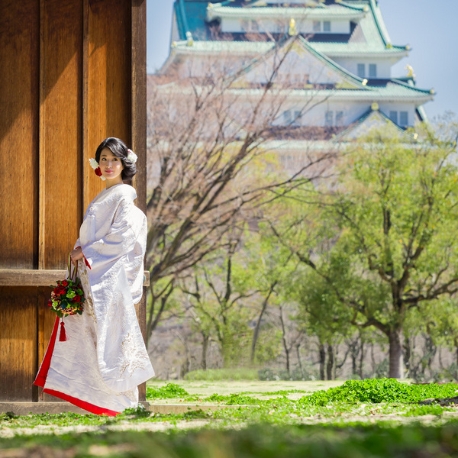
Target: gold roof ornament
(375, 106)
(190, 40)
(410, 71)
(292, 28)
(364, 82)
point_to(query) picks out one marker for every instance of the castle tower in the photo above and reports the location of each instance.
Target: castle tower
(343, 54)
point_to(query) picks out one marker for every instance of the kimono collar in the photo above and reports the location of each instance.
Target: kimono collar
(122, 191)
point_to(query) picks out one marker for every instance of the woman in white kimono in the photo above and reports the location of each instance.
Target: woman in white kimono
(103, 359)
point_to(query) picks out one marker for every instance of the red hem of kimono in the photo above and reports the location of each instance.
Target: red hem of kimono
(82, 404)
(40, 380)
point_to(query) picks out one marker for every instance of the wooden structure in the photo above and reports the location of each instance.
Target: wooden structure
(73, 72)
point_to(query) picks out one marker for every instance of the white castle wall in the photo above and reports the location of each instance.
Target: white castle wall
(351, 64)
(279, 25)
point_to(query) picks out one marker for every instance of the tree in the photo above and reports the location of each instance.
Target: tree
(209, 166)
(218, 291)
(268, 265)
(388, 231)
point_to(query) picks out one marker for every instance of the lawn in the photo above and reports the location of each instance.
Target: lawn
(370, 418)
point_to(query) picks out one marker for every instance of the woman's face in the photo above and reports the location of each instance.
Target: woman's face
(110, 165)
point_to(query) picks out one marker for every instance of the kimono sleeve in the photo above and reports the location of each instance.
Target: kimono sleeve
(119, 240)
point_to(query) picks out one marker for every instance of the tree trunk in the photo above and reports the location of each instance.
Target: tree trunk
(407, 355)
(258, 324)
(354, 350)
(288, 365)
(285, 344)
(322, 352)
(298, 353)
(361, 361)
(430, 353)
(395, 352)
(330, 364)
(205, 339)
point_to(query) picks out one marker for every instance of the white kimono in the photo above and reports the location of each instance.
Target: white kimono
(104, 358)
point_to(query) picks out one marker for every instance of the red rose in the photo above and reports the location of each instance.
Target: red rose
(98, 172)
(77, 298)
(59, 291)
(65, 283)
(49, 303)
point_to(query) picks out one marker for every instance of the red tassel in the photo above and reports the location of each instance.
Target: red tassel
(63, 334)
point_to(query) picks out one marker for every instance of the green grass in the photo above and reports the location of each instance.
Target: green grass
(212, 375)
(259, 441)
(327, 423)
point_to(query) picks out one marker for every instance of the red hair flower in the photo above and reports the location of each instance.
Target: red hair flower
(98, 172)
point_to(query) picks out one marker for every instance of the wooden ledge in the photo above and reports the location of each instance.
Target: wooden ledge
(29, 277)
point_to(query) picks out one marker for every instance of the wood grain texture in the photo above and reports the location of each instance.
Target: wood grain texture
(140, 309)
(18, 343)
(73, 73)
(26, 277)
(60, 129)
(46, 320)
(19, 78)
(108, 81)
(138, 50)
(139, 97)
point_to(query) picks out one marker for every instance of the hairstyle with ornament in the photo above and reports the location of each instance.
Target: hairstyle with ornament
(120, 150)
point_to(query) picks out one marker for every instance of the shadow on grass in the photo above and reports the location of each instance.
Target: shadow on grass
(255, 441)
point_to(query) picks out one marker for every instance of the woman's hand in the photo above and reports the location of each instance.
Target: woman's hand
(76, 254)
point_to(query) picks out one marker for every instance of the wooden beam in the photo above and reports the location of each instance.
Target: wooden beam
(28, 277)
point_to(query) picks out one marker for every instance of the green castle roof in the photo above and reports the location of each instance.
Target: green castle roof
(369, 37)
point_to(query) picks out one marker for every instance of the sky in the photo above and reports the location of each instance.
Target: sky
(429, 27)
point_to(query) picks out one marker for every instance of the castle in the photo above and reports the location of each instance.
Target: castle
(342, 55)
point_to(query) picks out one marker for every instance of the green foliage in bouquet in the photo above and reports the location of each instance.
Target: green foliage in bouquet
(67, 298)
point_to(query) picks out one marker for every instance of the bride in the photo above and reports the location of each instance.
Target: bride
(103, 359)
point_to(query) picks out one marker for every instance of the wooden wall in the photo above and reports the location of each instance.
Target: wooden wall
(73, 72)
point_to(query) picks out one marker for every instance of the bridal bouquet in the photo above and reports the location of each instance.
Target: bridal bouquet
(67, 298)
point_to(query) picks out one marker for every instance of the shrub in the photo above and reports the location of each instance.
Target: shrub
(171, 390)
(380, 390)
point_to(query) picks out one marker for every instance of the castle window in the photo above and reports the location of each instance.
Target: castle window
(339, 118)
(394, 116)
(372, 70)
(361, 69)
(329, 118)
(326, 26)
(250, 25)
(403, 118)
(287, 117)
(297, 118)
(317, 26)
